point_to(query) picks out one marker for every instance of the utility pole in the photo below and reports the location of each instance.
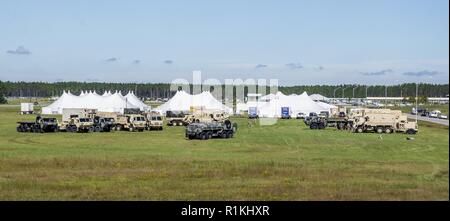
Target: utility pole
(385, 96)
(417, 99)
(353, 94)
(334, 92)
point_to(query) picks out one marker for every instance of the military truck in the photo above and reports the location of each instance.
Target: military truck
(78, 124)
(176, 118)
(103, 124)
(154, 121)
(40, 125)
(204, 131)
(206, 117)
(317, 122)
(307, 119)
(381, 121)
(131, 122)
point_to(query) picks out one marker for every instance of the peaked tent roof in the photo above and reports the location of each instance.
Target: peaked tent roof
(296, 103)
(113, 103)
(130, 97)
(183, 101)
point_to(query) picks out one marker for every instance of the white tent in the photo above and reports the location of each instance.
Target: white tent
(318, 97)
(326, 105)
(130, 97)
(296, 104)
(183, 101)
(91, 100)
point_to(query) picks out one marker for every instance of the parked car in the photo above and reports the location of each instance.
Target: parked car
(443, 116)
(301, 115)
(435, 114)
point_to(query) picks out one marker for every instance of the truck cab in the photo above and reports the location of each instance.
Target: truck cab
(155, 122)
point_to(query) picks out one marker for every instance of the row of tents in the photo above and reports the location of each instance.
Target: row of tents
(268, 106)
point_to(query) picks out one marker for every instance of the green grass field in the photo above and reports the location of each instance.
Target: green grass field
(286, 161)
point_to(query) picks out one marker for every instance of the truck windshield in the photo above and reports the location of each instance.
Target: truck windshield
(85, 119)
(49, 120)
(139, 118)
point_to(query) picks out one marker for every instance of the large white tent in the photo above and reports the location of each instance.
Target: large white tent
(296, 103)
(89, 100)
(183, 101)
(130, 97)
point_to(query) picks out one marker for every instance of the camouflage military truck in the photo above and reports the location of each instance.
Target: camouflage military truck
(131, 122)
(104, 124)
(381, 121)
(204, 131)
(154, 121)
(40, 125)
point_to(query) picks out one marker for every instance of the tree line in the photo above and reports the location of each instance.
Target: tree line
(162, 90)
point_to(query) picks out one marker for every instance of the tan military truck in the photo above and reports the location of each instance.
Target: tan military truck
(380, 121)
(154, 121)
(176, 118)
(131, 122)
(207, 117)
(77, 120)
(78, 124)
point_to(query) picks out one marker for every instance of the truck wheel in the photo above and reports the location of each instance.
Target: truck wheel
(313, 126)
(341, 126)
(380, 130)
(388, 130)
(231, 134)
(74, 129)
(19, 129)
(321, 126)
(203, 136)
(410, 131)
(359, 130)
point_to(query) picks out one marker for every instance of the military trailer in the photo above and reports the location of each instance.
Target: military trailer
(40, 125)
(131, 122)
(154, 121)
(205, 131)
(26, 108)
(381, 121)
(176, 118)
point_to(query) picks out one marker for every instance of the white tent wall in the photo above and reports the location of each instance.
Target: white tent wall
(183, 101)
(296, 104)
(90, 100)
(130, 97)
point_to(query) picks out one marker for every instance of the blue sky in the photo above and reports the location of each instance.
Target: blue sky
(297, 42)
